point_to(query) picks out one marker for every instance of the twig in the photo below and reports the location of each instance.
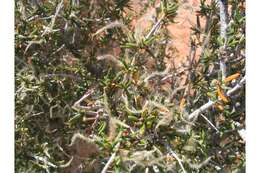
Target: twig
(49, 28)
(115, 24)
(200, 165)
(211, 103)
(59, 49)
(155, 27)
(212, 125)
(123, 124)
(175, 156)
(201, 109)
(30, 43)
(110, 58)
(134, 111)
(87, 94)
(78, 106)
(158, 73)
(111, 159)
(63, 75)
(98, 113)
(175, 91)
(51, 110)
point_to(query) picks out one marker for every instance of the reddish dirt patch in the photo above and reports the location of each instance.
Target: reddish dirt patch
(179, 31)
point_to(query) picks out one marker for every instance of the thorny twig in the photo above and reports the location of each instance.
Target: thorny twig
(154, 103)
(237, 87)
(223, 17)
(48, 29)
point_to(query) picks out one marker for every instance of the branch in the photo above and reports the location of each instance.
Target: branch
(111, 159)
(211, 103)
(237, 87)
(134, 111)
(115, 24)
(200, 165)
(158, 73)
(212, 125)
(223, 13)
(173, 154)
(201, 109)
(49, 28)
(87, 110)
(155, 28)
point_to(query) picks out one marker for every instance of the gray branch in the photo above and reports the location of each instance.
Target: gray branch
(223, 13)
(211, 103)
(111, 159)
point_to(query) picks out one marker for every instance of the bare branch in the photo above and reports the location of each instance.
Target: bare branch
(223, 12)
(111, 159)
(49, 28)
(134, 111)
(87, 110)
(212, 125)
(115, 24)
(173, 154)
(155, 28)
(200, 165)
(237, 87)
